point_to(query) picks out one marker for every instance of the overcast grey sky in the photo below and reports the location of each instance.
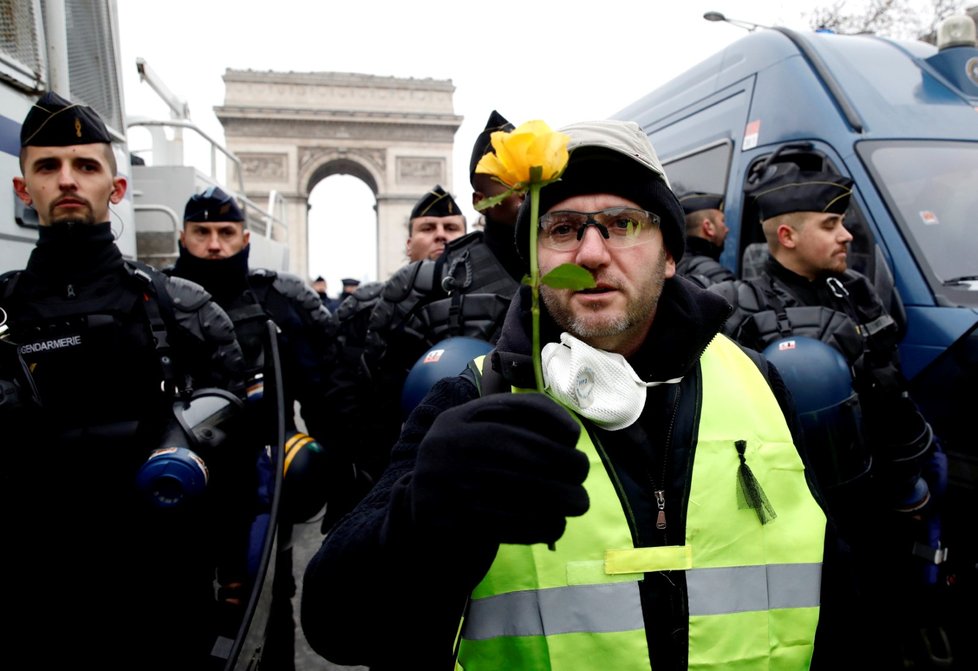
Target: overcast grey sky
(551, 60)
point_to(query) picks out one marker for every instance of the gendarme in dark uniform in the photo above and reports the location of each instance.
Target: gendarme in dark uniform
(890, 512)
(706, 229)
(214, 249)
(96, 351)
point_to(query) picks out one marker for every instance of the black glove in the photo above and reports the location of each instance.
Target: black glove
(500, 469)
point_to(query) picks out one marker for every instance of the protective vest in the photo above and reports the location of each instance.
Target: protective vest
(110, 338)
(466, 292)
(851, 317)
(753, 588)
(702, 270)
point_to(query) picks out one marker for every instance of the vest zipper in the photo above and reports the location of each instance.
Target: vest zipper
(660, 501)
(659, 489)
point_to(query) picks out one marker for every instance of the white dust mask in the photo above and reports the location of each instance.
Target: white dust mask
(599, 385)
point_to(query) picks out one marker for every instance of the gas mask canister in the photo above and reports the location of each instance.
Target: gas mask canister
(177, 472)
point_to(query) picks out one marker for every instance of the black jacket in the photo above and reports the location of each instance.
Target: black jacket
(373, 580)
(306, 339)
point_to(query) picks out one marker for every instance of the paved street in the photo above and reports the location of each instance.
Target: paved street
(307, 541)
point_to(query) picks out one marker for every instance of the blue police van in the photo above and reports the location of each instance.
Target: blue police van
(901, 119)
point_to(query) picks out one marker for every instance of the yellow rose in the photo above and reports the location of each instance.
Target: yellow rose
(531, 145)
(525, 160)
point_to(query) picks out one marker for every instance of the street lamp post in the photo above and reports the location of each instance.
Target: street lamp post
(746, 25)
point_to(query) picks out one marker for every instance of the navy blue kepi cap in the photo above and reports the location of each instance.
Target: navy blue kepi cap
(802, 191)
(435, 203)
(483, 143)
(695, 201)
(212, 205)
(56, 122)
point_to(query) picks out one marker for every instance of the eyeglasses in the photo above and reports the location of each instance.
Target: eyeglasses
(563, 231)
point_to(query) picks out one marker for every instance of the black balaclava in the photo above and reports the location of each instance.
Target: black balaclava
(224, 279)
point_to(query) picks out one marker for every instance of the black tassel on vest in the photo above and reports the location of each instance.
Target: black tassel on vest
(749, 492)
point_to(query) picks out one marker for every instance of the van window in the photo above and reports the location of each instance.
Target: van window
(21, 56)
(704, 169)
(929, 188)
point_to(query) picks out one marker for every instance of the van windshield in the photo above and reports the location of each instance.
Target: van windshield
(931, 187)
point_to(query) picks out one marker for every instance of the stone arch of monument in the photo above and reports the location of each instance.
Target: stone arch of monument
(291, 130)
(321, 165)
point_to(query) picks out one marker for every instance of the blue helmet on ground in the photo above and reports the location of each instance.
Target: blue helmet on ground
(446, 358)
(820, 382)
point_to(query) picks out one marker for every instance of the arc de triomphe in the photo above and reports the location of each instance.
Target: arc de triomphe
(291, 130)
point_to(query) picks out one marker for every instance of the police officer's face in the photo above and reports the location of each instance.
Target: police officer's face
(429, 235)
(820, 244)
(615, 315)
(70, 184)
(214, 239)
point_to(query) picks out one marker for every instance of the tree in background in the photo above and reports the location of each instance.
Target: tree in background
(900, 19)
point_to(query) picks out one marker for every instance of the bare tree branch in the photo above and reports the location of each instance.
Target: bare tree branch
(901, 19)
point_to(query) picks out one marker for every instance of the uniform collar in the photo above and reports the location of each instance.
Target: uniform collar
(696, 246)
(73, 253)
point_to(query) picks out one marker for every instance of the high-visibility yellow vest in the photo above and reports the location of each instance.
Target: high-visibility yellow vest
(753, 589)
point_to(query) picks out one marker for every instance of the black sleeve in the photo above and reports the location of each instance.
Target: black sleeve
(307, 357)
(375, 596)
(358, 405)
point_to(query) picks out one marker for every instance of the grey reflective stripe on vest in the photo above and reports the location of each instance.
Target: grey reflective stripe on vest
(558, 610)
(715, 591)
(617, 606)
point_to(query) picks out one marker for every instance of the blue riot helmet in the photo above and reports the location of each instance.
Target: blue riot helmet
(820, 382)
(446, 358)
(176, 472)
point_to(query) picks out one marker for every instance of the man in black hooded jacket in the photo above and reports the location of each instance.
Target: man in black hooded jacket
(633, 490)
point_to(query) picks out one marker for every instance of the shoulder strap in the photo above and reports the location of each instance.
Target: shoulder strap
(155, 298)
(783, 323)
